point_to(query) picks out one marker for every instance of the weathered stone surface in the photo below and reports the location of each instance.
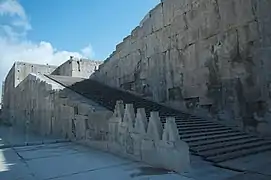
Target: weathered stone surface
(206, 49)
(155, 129)
(129, 117)
(145, 143)
(170, 132)
(141, 121)
(157, 17)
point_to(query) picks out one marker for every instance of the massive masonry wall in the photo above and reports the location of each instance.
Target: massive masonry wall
(214, 52)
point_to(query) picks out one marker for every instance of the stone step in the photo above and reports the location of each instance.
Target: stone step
(224, 144)
(206, 134)
(195, 123)
(239, 154)
(185, 128)
(190, 124)
(179, 120)
(201, 125)
(176, 118)
(204, 130)
(206, 143)
(185, 121)
(193, 120)
(195, 117)
(212, 137)
(225, 149)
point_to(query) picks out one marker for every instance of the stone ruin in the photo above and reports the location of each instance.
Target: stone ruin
(220, 67)
(133, 136)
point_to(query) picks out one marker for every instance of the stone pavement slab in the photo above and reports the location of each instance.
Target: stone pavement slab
(254, 164)
(63, 162)
(10, 136)
(249, 176)
(11, 166)
(203, 170)
(132, 171)
(67, 160)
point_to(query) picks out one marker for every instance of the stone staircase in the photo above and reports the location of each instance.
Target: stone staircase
(212, 141)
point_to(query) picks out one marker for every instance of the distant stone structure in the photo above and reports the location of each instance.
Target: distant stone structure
(77, 68)
(18, 72)
(212, 53)
(81, 68)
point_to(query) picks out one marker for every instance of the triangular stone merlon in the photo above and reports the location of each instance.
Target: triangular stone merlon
(155, 128)
(119, 109)
(141, 121)
(171, 132)
(129, 116)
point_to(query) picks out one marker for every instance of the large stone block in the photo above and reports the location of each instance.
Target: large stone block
(80, 126)
(179, 24)
(168, 12)
(156, 16)
(98, 124)
(227, 13)
(141, 122)
(152, 45)
(150, 154)
(211, 18)
(147, 27)
(190, 56)
(155, 129)
(174, 156)
(244, 11)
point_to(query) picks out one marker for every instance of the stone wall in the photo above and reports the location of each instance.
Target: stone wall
(48, 108)
(18, 72)
(213, 53)
(82, 68)
(2, 94)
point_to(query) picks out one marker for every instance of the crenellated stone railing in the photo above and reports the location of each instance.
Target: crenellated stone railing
(133, 136)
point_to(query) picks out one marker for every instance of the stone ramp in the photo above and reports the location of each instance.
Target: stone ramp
(212, 141)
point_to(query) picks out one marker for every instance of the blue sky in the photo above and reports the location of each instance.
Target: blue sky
(73, 24)
(49, 31)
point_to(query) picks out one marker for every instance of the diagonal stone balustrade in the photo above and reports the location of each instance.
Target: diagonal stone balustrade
(132, 136)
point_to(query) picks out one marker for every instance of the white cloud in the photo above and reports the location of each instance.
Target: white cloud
(12, 9)
(14, 47)
(88, 51)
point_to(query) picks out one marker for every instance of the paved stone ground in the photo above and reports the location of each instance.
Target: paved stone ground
(66, 161)
(56, 160)
(256, 166)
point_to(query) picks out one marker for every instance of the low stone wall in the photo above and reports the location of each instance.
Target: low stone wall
(132, 136)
